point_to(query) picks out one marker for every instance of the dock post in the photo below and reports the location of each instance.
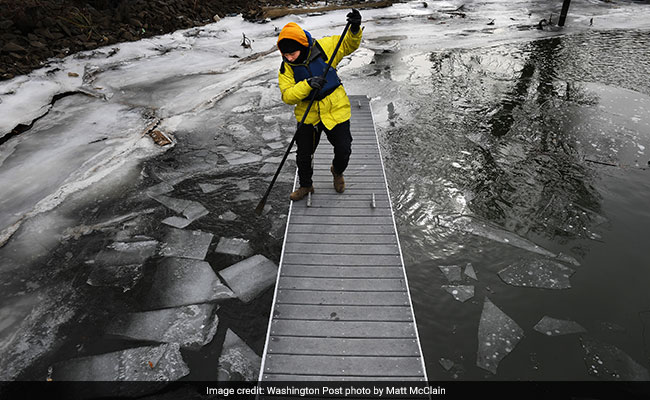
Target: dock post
(565, 11)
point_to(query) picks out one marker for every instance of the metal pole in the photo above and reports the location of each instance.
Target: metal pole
(565, 11)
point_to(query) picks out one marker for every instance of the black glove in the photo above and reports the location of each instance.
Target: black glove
(354, 18)
(316, 82)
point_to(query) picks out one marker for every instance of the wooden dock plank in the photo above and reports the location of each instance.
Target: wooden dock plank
(343, 313)
(337, 248)
(337, 365)
(341, 259)
(340, 239)
(364, 285)
(344, 347)
(343, 329)
(286, 296)
(376, 272)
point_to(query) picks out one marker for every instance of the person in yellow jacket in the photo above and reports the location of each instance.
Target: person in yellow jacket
(304, 61)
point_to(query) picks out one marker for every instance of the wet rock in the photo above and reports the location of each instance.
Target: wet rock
(190, 326)
(187, 244)
(469, 271)
(540, 273)
(461, 293)
(126, 253)
(556, 327)
(498, 335)
(11, 47)
(151, 363)
(122, 276)
(234, 246)
(180, 282)
(250, 277)
(452, 272)
(608, 362)
(238, 362)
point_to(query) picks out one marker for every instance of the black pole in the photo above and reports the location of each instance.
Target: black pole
(260, 205)
(565, 11)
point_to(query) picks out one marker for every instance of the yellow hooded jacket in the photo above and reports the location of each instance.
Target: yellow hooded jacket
(333, 109)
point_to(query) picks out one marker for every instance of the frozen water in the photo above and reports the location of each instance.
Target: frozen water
(191, 209)
(241, 157)
(461, 293)
(238, 362)
(195, 211)
(276, 145)
(151, 363)
(452, 272)
(239, 131)
(228, 216)
(188, 244)
(247, 196)
(208, 187)
(556, 327)
(469, 271)
(126, 253)
(190, 326)
(250, 277)
(161, 188)
(498, 335)
(539, 273)
(267, 169)
(234, 246)
(180, 282)
(176, 222)
(608, 362)
(243, 185)
(446, 363)
(121, 276)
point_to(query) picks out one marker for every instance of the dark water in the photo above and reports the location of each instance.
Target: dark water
(547, 140)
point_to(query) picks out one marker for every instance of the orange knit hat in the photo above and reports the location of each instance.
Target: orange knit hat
(294, 32)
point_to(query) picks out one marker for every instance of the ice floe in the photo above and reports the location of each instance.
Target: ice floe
(539, 273)
(121, 276)
(238, 362)
(234, 246)
(451, 272)
(498, 334)
(556, 327)
(461, 293)
(250, 277)
(608, 362)
(188, 244)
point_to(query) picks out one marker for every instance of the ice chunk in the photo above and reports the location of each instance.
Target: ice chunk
(469, 271)
(177, 222)
(243, 185)
(228, 216)
(556, 327)
(191, 209)
(267, 169)
(250, 277)
(238, 362)
(452, 272)
(161, 188)
(460, 292)
(276, 145)
(246, 196)
(195, 211)
(126, 253)
(208, 187)
(540, 273)
(180, 282)
(271, 134)
(608, 362)
(234, 246)
(188, 244)
(498, 335)
(241, 157)
(190, 326)
(151, 363)
(122, 276)
(446, 363)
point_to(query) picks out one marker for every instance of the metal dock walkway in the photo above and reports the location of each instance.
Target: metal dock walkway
(342, 309)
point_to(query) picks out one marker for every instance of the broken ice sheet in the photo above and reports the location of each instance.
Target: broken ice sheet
(126, 253)
(234, 246)
(238, 362)
(190, 326)
(556, 327)
(122, 276)
(228, 216)
(250, 277)
(446, 363)
(243, 185)
(241, 157)
(246, 196)
(498, 335)
(275, 145)
(469, 271)
(609, 363)
(177, 222)
(180, 282)
(151, 363)
(208, 187)
(191, 209)
(267, 169)
(452, 272)
(188, 244)
(461, 293)
(539, 273)
(160, 188)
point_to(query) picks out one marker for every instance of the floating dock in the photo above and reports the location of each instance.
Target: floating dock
(342, 308)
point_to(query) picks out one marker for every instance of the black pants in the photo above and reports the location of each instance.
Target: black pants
(307, 140)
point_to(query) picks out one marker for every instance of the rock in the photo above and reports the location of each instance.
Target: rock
(234, 246)
(73, 74)
(461, 293)
(122, 276)
(238, 362)
(180, 282)
(187, 244)
(11, 47)
(556, 327)
(539, 273)
(150, 363)
(452, 272)
(190, 326)
(250, 277)
(498, 335)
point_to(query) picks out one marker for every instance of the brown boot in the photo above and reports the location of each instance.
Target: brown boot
(301, 193)
(339, 182)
